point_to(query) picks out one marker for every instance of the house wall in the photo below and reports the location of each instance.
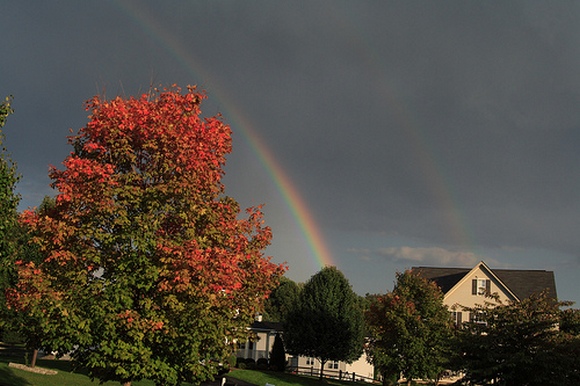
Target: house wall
(261, 348)
(361, 367)
(308, 362)
(461, 294)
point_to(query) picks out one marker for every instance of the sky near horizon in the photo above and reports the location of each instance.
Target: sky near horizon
(379, 135)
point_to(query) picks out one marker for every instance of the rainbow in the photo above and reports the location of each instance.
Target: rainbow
(291, 196)
(441, 188)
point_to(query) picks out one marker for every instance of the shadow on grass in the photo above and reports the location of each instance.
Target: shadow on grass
(7, 378)
(17, 354)
(60, 365)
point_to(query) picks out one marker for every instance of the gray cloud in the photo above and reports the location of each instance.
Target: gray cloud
(433, 256)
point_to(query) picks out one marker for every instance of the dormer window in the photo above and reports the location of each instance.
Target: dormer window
(480, 287)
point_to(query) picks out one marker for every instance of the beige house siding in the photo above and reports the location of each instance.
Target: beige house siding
(462, 292)
(361, 368)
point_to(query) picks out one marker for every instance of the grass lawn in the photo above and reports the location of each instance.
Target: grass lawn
(260, 378)
(10, 376)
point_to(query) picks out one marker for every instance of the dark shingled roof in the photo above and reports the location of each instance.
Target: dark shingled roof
(445, 278)
(522, 283)
(525, 283)
(266, 326)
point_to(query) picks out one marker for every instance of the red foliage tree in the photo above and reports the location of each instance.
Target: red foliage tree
(149, 272)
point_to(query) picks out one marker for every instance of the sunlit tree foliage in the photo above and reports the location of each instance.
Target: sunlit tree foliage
(149, 271)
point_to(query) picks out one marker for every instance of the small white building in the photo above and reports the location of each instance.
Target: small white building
(261, 347)
(359, 370)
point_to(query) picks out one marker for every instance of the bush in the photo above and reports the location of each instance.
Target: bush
(250, 363)
(262, 364)
(11, 337)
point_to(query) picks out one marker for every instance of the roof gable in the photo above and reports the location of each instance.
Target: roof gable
(520, 283)
(489, 274)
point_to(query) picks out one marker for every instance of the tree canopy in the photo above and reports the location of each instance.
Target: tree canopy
(9, 229)
(327, 322)
(8, 198)
(149, 270)
(523, 343)
(281, 300)
(409, 329)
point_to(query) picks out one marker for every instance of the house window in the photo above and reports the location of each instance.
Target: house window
(480, 287)
(250, 345)
(310, 361)
(475, 317)
(457, 317)
(333, 365)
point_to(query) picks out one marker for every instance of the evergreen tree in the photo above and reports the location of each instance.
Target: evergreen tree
(278, 354)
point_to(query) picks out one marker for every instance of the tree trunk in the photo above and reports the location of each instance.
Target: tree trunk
(34, 356)
(385, 380)
(322, 363)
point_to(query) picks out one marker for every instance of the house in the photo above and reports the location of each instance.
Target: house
(468, 286)
(261, 347)
(361, 369)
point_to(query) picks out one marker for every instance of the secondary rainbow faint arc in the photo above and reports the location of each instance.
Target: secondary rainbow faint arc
(287, 189)
(439, 186)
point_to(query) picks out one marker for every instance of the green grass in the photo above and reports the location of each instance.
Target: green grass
(260, 378)
(67, 377)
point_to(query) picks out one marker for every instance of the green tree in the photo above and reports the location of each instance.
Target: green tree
(5, 110)
(281, 300)
(9, 229)
(570, 322)
(519, 343)
(30, 326)
(327, 323)
(409, 329)
(148, 269)
(278, 355)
